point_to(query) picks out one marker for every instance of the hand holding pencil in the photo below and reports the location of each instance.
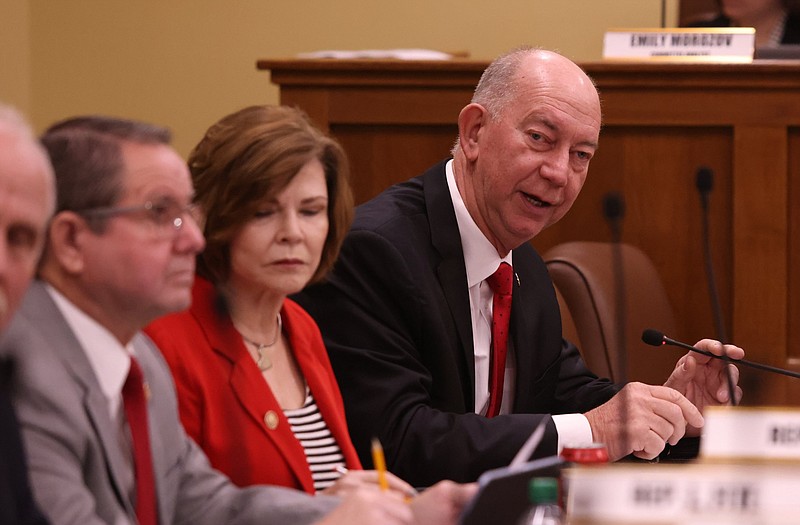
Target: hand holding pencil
(352, 480)
(441, 504)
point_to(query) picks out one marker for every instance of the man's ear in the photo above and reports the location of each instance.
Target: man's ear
(66, 241)
(471, 121)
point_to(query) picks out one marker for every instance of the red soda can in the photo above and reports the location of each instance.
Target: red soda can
(585, 454)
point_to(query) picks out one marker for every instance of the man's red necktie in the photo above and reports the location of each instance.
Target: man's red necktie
(501, 282)
(135, 402)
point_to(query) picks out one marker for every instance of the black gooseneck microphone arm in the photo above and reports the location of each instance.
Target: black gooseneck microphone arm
(614, 211)
(656, 338)
(705, 182)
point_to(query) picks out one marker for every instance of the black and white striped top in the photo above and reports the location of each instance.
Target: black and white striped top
(322, 451)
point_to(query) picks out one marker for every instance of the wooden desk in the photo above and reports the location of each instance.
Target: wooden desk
(661, 122)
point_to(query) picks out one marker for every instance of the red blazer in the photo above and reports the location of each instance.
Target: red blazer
(224, 400)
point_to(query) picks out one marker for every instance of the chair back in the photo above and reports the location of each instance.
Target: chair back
(584, 276)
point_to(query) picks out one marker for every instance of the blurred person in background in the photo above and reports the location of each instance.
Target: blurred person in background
(27, 200)
(777, 22)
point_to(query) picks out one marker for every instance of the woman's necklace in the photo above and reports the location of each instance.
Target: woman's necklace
(264, 363)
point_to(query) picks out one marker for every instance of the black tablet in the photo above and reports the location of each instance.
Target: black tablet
(503, 492)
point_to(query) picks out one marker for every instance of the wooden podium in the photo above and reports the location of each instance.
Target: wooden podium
(661, 122)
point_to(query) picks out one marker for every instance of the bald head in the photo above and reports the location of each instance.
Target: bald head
(27, 200)
(529, 69)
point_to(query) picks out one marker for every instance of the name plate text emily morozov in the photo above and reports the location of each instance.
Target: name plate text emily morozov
(729, 44)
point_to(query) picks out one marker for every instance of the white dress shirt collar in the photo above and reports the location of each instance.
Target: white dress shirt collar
(110, 360)
(480, 257)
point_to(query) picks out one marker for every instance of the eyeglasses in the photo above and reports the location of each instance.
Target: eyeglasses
(166, 215)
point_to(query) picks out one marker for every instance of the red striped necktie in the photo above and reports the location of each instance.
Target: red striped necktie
(134, 399)
(501, 283)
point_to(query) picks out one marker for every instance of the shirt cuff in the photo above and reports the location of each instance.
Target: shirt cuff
(572, 429)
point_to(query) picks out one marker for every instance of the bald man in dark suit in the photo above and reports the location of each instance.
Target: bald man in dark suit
(408, 312)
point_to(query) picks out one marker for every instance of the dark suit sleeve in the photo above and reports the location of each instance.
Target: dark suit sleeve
(16, 501)
(404, 376)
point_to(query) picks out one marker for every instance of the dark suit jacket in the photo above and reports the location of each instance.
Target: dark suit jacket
(77, 466)
(223, 398)
(16, 501)
(395, 318)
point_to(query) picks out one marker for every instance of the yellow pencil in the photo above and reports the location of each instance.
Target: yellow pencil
(380, 463)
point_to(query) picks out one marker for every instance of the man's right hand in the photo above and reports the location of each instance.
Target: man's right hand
(641, 419)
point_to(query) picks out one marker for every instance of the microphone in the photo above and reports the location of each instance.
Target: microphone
(614, 211)
(704, 181)
(656, 338)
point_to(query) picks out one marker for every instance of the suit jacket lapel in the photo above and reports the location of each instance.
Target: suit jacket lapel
(55, 329)
(257, 399)
(521, 327)
(248, 385)
(532, 297)
(316, 372)
(451, 270)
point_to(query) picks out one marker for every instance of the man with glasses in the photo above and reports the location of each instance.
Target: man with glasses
(96, 402)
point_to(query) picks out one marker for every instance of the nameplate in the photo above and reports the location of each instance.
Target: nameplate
(729, 44)
(683, 494)
(751, 433)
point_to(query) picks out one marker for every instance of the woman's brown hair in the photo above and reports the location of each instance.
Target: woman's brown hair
(250, 156)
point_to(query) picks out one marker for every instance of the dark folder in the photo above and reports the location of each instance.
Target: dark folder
(503, 492)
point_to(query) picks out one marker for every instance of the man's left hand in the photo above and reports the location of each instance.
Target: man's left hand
(703, 379)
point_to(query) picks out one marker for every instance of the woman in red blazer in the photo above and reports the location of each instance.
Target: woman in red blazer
(255, 386)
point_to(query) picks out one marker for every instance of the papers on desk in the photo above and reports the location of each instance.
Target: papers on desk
(400, 54)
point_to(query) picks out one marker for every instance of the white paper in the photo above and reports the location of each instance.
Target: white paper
(400, 54)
